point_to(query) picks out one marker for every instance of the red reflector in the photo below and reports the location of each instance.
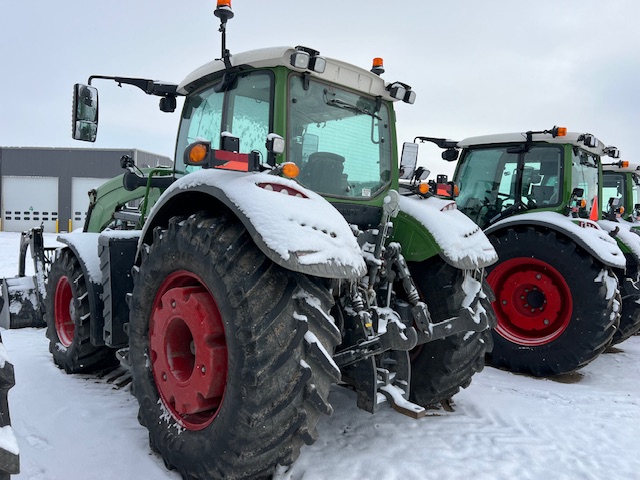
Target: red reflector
(233, 160)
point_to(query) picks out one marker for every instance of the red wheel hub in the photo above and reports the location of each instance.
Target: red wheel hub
(63, 312)
(533, 301)
(188, 350)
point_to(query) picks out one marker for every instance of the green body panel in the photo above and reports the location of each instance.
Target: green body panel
(417, 243)
(112, 195)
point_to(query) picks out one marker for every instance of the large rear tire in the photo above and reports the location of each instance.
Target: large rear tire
(440, 368)
(68, 319)
(231, 354)
(557, 306)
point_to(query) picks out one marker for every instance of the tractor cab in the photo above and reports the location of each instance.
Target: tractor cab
(551, 170)
(621, 191)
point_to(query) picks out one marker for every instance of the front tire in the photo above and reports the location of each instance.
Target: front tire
(231, 354)
(440, 368)
(68, 319)
(557, 306)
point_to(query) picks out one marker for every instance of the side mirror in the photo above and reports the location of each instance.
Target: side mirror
(84, 124)
(408, 160)
(450, 155)
(577, 193)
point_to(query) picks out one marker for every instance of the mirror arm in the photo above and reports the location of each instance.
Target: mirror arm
(149, 87)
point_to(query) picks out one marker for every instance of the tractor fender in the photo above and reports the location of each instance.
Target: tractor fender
(585, 233)
(84, 246)
(462, 243)
(629, 240)
(293, 226)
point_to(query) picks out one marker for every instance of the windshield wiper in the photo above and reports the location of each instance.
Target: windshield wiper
(336, 102)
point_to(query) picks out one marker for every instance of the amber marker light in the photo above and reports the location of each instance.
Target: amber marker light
(423, 188)
(198, 153)
(224, 3)
(290, 170)
(624, 163)
(562, 132)
(583, 203)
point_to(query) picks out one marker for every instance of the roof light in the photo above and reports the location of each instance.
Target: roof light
(401, 91)
(624, 163)
(300, 60)
(589, 140)
(611, 151)
(306, 58)
(397, 91)
(561, 131)
(378, 66)
(317, 64)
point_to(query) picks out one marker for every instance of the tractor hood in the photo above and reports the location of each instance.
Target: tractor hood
(463, 243)
(293, 226)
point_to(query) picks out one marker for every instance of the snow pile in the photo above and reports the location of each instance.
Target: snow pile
(308, 227)
(460, 239)
(8, 440)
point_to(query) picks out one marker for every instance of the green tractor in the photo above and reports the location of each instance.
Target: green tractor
(275, 259)
(537, 196)
(621, 187)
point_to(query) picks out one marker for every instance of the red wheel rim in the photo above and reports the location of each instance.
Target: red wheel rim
(188, 350)
(64, 311)
(533, 301)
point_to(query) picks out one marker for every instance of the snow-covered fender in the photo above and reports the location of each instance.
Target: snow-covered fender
(586, 233)
(461, 242)
(293, 226)
(84, 246)
(628, 240)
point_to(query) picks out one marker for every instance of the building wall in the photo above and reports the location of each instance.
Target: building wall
(65, 164)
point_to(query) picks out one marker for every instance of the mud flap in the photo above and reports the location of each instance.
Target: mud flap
(21, 305)
(9, 454)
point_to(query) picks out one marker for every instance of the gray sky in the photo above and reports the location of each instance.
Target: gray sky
(478, 67)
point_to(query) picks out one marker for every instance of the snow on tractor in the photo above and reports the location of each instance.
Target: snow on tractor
(278, 260)
(537, 196)
(621, 187)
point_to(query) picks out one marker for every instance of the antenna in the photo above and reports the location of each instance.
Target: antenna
(223, 12)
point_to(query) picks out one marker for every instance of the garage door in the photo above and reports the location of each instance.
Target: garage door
(28, 202)
(80, 198)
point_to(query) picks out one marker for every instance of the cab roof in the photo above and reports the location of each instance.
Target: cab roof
(572, 138)
(336, 71)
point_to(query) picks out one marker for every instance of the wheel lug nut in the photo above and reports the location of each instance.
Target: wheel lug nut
(546, 321)
(521, 297)
(164, 377)
(203, 370)
(504, 302)
(173, 304)
(538, 277)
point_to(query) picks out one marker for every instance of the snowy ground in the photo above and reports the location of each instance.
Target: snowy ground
(504, 426)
